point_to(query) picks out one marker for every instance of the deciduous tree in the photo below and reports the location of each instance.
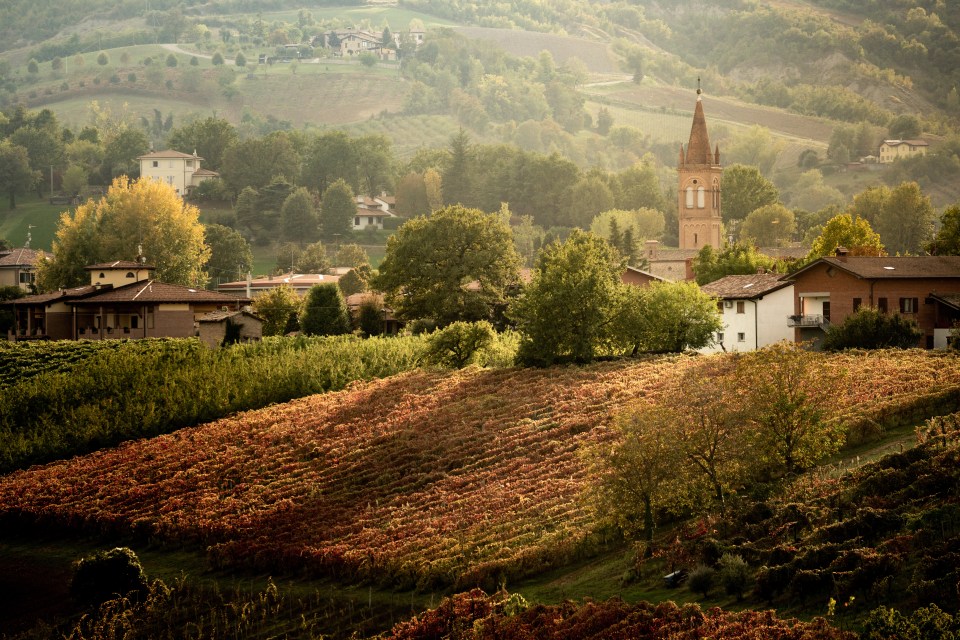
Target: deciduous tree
(337, 210)
(739, 258)
(851, 233)
(324, 312)
(298, 217)
(869, 328)
(458, 264)
(145, 214)
(279, 308)
(230, 254)
(667, 317)
(772, 225)
(16, 176)
(209, 137)
(744, 190)
(947, 240)
(578, 281)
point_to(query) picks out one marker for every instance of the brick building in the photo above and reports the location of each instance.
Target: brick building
(830, 289)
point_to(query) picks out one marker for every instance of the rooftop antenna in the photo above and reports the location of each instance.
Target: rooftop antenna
(698, 88)
(26, 245)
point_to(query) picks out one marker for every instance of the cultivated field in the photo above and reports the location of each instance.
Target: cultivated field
(423, 479)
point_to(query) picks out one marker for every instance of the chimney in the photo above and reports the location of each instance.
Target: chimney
(651, 248)
(841, 253)
(249, 283)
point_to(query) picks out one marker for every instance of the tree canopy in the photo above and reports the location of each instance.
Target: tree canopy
(457, 264)
(740, 258)
(745, 190)
(869, 328)
(567, 312)
(144, 213)
(324, 312)
(844, 230)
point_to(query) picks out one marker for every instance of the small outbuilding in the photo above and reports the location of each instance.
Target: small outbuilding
(218, 327)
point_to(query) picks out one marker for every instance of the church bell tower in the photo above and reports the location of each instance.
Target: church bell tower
(698, 199)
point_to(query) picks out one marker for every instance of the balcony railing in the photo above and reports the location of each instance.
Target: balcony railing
(818, 321)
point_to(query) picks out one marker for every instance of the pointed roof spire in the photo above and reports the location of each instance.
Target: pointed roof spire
(698, 149)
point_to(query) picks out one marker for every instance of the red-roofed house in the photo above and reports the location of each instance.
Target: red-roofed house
(121, 301)
(832, 288)
(753, 309)
(18, 267)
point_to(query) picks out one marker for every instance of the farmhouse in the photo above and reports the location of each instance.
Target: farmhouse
(893, 150)
(121, 301)
(832, 288)
(753, 309)
(371, 212)
(180, 170)
(18, 267)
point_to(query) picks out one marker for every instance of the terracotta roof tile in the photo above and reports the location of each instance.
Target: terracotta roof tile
(22, 257)
(892, 266)
(118, 265)
(151, 292)
(169, 153)
(745, 287)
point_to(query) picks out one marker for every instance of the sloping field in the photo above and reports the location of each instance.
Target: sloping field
(426, 478)
(720, 109)
(595, 55)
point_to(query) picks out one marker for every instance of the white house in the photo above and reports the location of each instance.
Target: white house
(372, 211)
(754, 310)
(892, 150)
(180, 170)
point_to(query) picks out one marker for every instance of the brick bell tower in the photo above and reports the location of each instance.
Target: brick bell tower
(699, 175)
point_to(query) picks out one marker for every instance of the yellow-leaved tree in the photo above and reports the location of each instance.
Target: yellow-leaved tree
(139, 214)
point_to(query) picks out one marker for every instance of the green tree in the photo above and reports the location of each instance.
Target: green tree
(754, 147)
(230, 255)
(458, 344)
(744, 190)
(217, 59)
(906, 222)
(338, 207)
(367, 59)
(643, 223)
(772, 225)
(16, 176)
(701, 579)
(579, 281)
(904, 127)
(171, 60)
(739, 258)
(638, 473)
(209, 137)
(120, 153)
(324, 312)
(279, 308)
(459, 171)
(256, 161)
(844, 230)
(947, 240)
(288, 257)
(411, 196)
(354, 281)
(298, 217)
(458, 264)
(103, 59)
(329, 157)
(667, 317)
(869, 328)
(638, 187)
(585, 200)
(240, 60)
(352, 255)
(604, 121)
(247, 210)
(314, 259)
(791, 399)
(144, 213)
(74, 179)
(734, 575)
(811, 193)
(371, 316)
(44, 147)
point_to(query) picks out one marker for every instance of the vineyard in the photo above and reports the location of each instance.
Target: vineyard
(139, 389)
(425, 479)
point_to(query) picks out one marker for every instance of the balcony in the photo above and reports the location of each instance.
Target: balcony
(817, 321)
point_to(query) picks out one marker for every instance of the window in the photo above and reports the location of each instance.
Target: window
(720, 306)
(716, 193)
(102, 275)
(130, 274)
(356, 221)
(741, 337)
(882, 305)
(719, 338)
(909, 305)
(826, 310)
(189, 163)
(701, 202)
(156, 163)
(741, 306)
(689, 197)
(134, 322)
(857, 303)
(27, 277)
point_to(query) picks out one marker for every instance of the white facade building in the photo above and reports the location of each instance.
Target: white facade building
(754, 310)
(180, 170)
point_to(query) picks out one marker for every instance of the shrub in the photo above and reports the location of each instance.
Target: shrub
(324, 312)
(459, 344)
(131, 77)
(370, 317)
(106, 575)
(869, 328)
(734, 575)
(171, 60)
(701, 580)
(103, 58)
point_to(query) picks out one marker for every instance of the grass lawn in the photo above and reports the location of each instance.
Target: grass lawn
(33, 212)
